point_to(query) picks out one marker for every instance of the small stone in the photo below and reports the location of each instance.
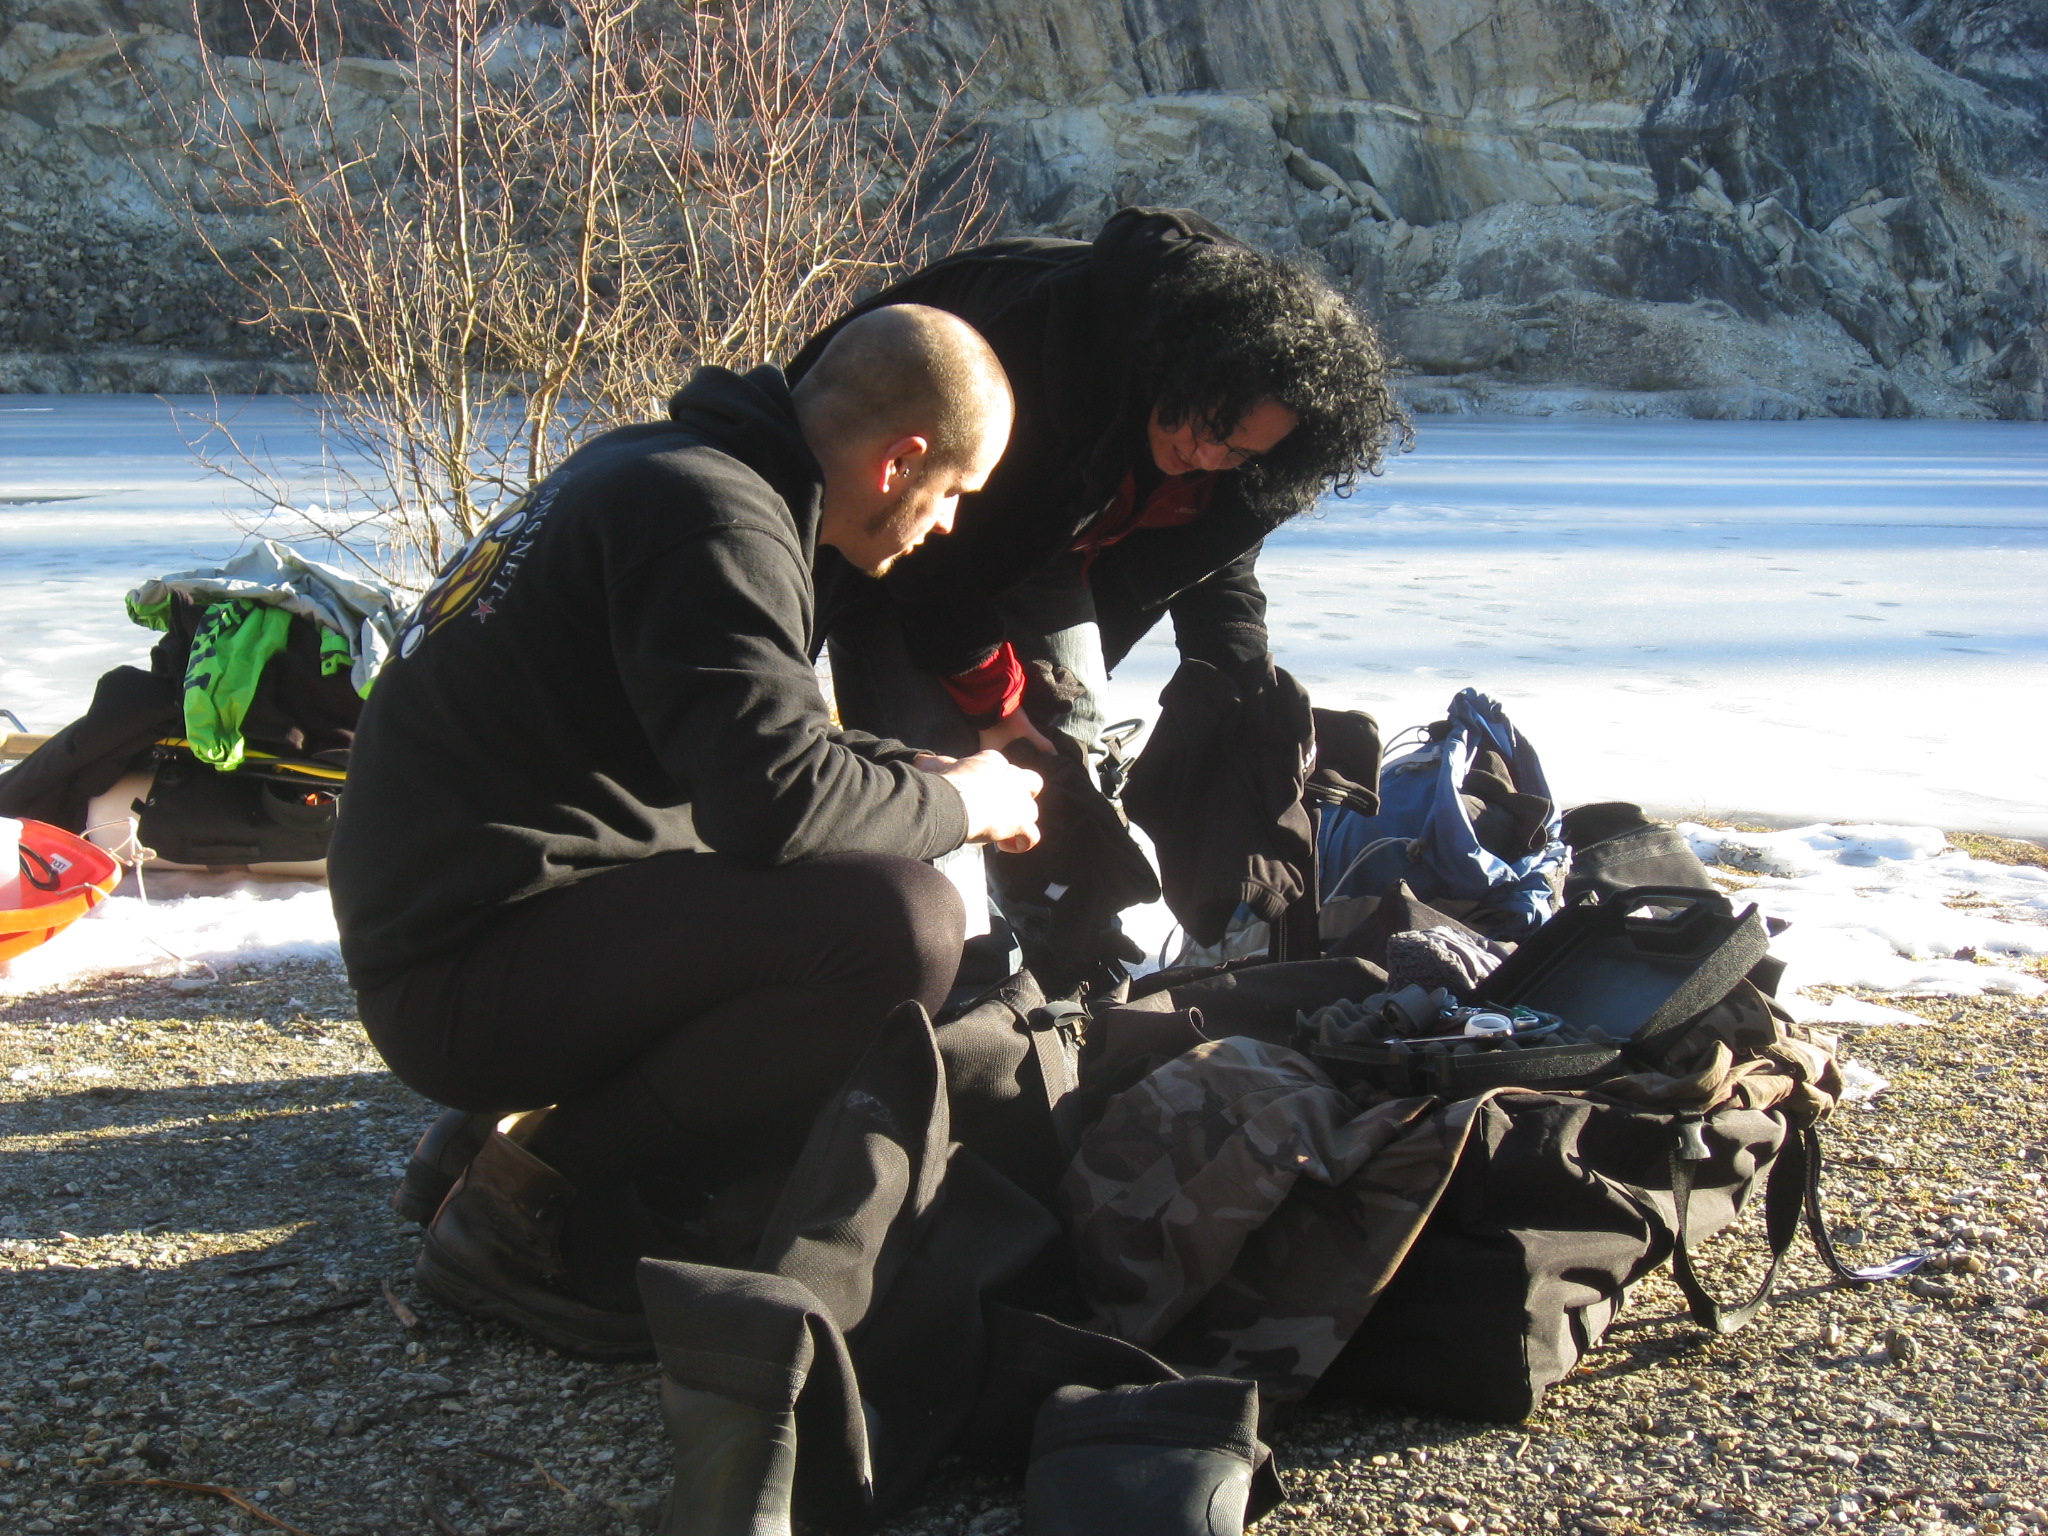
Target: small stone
(1933, 1290)
(1834, 1335)
(1901, 1345)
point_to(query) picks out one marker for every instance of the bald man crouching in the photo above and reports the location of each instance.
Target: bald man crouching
(603, 848)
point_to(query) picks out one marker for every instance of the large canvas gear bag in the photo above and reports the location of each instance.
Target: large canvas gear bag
(1238, 1211)
(1559, 1204)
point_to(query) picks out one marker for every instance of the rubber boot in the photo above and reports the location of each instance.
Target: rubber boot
(1030, 1357)
(735, 1465)
(495, 1250)
(1172, 1459)
(738, 1352)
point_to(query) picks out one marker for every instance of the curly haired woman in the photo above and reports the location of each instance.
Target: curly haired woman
(1179, 396)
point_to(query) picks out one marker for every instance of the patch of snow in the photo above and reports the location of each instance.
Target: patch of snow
(1845, 1012)
(250, 923)
(1870, 907)
(1860, 1084)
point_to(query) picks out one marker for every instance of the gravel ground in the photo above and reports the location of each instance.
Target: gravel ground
(204, 1285)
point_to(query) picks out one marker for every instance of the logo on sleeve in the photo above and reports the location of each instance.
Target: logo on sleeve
(476, 581)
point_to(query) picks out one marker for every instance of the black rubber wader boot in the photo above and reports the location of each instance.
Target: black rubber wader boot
(445, 1148)
(495, 1250)
(1173, 1459)
(746, 1359)
(1030, 1357)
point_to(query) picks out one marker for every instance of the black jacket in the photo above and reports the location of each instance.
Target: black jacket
(1218, 790)
(617, 667)
(1064, 317)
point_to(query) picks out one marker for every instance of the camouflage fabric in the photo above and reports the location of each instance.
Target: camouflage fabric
(1239, 1211)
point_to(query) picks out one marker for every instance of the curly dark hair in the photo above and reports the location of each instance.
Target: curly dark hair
(1234, 327)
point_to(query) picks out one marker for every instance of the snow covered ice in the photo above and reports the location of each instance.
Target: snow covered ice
(1823, 621)
(1750, 620)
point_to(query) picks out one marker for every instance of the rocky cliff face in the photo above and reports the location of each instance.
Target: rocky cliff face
(1698, 207)
(1739, 207)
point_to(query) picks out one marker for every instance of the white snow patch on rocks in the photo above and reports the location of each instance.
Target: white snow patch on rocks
(1876, 908)
(251, 922)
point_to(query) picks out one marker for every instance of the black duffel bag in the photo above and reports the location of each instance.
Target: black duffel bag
(1560, 1202)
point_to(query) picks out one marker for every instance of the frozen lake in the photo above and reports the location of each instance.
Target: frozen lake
(1808, 620)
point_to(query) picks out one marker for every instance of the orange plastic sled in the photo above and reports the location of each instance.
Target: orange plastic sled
(85, 876)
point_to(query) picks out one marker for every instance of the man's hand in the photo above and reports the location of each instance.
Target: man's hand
(1017, 727)
(1001, 798)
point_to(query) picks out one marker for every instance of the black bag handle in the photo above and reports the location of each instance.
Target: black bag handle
(1817, 1229)
(1792, 1190)
(1785, 1197)
(1055, 1030)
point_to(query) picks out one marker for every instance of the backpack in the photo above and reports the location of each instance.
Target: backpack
(1560, 1203)
(1237, 1211)
(1465, 816)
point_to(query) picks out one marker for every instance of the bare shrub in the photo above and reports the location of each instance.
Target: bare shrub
(510, 236)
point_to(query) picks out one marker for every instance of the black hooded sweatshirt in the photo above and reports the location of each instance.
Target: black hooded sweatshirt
(617, 667)
(1065, 316)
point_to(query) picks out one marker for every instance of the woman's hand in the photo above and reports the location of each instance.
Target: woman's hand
(1017, 727)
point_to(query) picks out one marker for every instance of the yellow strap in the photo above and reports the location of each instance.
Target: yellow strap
(311, 770)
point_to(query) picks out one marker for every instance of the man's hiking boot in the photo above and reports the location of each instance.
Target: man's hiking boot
(445, 1148)
(738, 1351)
(495, 1250)
(1172, 1459)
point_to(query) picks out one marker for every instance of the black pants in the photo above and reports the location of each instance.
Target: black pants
(675, 1009)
